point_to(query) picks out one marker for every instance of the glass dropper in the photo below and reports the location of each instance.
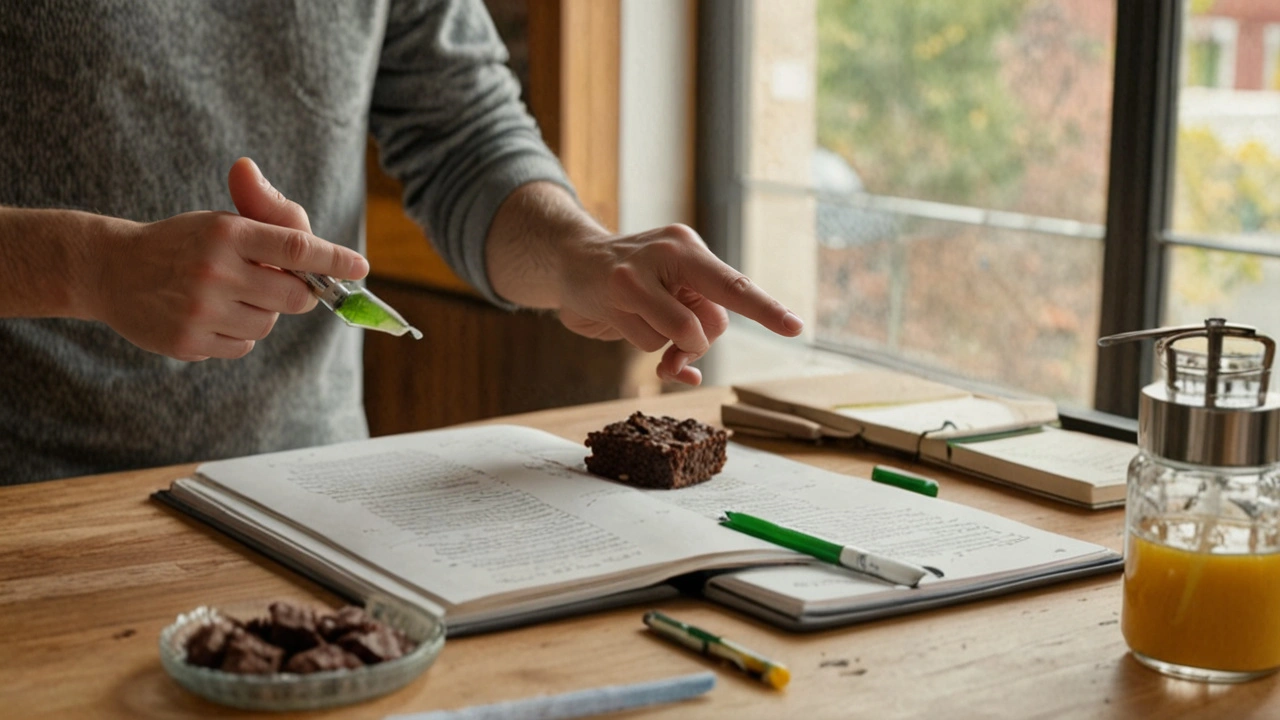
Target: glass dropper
(357, 306)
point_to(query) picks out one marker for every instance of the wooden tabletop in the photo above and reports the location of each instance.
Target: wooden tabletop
(91, 570)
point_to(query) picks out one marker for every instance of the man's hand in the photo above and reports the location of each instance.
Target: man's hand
(209, 284)
(653, 288)
(662, 286)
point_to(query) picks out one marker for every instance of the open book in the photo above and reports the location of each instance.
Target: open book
(1011, 441)
(501, 525)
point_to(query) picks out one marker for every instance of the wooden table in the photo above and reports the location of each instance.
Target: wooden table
(91, 570)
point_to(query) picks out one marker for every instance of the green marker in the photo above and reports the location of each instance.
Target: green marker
(898, 572)
(357, 306)
(905, 480)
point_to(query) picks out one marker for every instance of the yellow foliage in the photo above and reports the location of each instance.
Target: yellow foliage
(1220, 192)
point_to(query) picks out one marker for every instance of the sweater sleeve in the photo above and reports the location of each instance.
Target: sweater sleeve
(447, 116)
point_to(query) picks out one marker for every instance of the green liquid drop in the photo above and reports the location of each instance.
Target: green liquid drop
(363, 309)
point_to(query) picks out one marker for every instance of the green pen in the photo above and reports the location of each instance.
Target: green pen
(904, 479)
(897, 572)
(766, 671)
(357, 306)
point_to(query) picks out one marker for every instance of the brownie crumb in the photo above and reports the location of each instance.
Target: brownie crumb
(261, 627)
(247, 654)
(208, 645)
(293, 627)
(657, 451)
(348, 619)
(322, 658)
(373, 646)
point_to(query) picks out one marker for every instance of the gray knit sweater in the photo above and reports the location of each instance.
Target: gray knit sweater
(137, 109)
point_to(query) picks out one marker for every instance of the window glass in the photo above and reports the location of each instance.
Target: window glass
(1227, 168)
(926, 180)
(1002, 104)
(958, 296)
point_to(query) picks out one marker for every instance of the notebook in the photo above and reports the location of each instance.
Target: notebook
(1011, 441)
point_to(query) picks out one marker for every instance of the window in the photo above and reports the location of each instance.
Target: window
(947, 186)
(1210, 52)
(1224, 228)
(1271, 57)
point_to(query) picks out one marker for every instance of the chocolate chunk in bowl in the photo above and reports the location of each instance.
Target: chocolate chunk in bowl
(248, 654)
(293, 627)
(321, 658)
(372, 646)
(207, 646)
(322, 675)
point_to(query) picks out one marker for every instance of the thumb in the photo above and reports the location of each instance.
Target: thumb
(256, 199)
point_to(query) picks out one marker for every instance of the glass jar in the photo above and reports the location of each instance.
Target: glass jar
(1202, 515)
(1202, 569)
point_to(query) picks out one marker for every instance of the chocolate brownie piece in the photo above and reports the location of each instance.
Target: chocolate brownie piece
(247, 654)
(375, 645)
(345, 620)
(208, 644)
(293, 627)
(657, 452)
(321, 658)
(261, 627)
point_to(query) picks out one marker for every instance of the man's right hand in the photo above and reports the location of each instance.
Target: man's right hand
(209, 284)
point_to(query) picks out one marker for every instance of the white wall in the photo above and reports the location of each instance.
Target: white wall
(657, 75)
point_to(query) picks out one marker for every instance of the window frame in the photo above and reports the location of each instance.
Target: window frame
(1136, 238)
(1139, 193)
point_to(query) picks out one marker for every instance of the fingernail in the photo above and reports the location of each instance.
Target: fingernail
(697, 377)
(792, 322)
(680, 363)
(682, 360)
(264, 182)
(257, 171)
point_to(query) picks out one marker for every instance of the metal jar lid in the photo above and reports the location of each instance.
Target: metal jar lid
(1198, 435)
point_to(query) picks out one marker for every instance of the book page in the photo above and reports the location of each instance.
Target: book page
(971, 547)
(476, 512)
(1085, 458)
(959, 540)
(953, 417)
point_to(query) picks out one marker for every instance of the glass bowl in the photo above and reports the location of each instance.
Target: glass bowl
(292, 691)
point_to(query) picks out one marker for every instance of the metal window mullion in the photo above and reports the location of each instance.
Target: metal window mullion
(723, 75)
(1143, 117)
(1262, 245)
(934, 210)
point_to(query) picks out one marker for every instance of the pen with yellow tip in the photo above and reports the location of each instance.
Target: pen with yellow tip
(752, 663)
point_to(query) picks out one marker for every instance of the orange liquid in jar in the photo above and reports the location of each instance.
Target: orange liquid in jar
(1202, 610)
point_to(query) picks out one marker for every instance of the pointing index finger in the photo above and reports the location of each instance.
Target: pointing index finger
(721, 284)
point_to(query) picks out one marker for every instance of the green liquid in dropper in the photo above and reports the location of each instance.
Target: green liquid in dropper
(363, 309)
